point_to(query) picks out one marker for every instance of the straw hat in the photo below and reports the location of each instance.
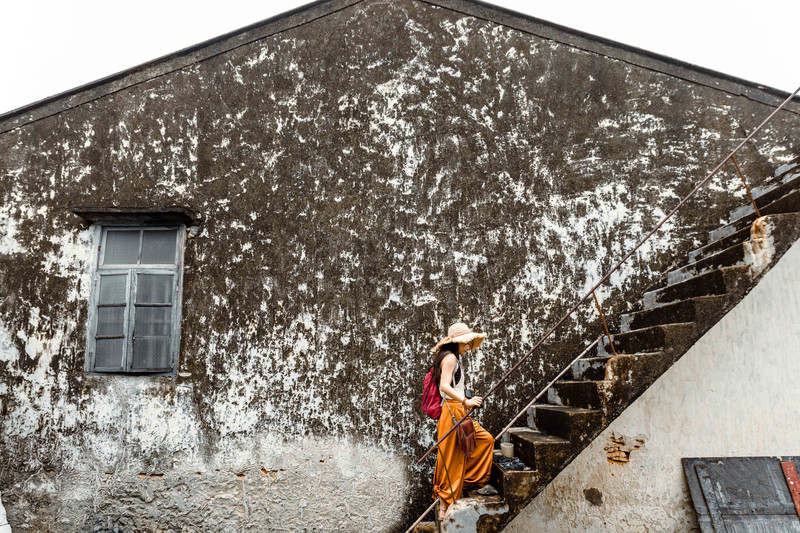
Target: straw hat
(460, 333)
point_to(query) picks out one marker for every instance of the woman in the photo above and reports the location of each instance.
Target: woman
(453, 469)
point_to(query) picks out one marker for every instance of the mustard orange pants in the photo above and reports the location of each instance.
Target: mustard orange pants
(474, 470)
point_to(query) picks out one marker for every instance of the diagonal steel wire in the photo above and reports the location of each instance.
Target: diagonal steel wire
(617, 266)
(602, 280)
(535, 398)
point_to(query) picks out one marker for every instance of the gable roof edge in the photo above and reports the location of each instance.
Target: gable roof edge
(53, 105)
(149, 70)
(615, 50)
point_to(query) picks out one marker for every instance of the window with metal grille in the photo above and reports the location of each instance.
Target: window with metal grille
(134, 319)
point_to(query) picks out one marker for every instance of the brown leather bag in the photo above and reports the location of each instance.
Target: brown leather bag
(465, 433)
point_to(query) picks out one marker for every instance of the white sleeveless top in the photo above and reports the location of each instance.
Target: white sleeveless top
(458, 381)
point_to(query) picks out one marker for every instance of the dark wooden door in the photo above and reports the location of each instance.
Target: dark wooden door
(742, 494)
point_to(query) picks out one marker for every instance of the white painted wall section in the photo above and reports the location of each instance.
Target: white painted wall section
(734, 393)
(4, 526)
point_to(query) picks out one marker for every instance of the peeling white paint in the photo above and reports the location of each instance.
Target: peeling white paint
(8, 351)
(8, 231)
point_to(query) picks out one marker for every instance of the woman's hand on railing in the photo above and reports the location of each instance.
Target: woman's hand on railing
(473, 402)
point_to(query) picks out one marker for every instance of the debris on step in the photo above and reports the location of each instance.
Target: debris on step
(510, 463)
(488, 490)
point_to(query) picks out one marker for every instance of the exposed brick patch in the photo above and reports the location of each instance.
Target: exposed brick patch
(619, 448)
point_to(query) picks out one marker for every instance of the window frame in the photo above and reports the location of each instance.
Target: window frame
(99, 269)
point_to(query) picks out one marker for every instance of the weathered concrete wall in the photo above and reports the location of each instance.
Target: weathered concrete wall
(365, 179)
(732, 394)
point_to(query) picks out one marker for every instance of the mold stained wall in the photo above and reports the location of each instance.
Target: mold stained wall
(366, 179)
(731, 394)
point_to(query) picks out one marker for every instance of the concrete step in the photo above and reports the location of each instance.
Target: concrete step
(714, 283)
(634, 367)
(630, 375)
(467, 512)
(545, 453)
(732, 256)
(699, 309)
(789, 166)
(785, 220)
(652, 339)
(766, 195)
(571, 423)
(585, 394)
(717, 246)
(590, 369)
(789, 203)
(516, 486)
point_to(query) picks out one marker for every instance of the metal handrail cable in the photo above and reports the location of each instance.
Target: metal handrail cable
(590, 293)
(547, 387)
(615, 268)
(516, 417)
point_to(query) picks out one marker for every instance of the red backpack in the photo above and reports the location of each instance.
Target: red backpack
(431, 399)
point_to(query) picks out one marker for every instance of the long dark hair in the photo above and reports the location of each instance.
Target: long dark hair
(451, 347)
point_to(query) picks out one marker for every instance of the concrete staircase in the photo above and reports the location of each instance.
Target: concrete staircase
(671, 316)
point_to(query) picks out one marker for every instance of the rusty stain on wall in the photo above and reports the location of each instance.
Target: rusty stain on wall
(619, 448)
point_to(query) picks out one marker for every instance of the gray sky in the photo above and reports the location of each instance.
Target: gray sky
(51, 46)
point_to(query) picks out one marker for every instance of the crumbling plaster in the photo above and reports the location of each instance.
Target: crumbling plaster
(365, 179)
(732, 394)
